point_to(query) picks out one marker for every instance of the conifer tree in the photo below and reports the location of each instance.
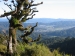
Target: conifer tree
(21, 11)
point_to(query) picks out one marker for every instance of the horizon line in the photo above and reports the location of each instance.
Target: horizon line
(43, 18)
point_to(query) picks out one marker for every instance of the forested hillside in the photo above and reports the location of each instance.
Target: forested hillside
(57, 28)
(64, 45)
(56, 35)
(41, 48)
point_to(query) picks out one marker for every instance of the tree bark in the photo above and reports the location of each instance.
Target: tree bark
(12, 41)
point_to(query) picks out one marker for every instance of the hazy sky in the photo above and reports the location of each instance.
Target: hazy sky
(54, 9)
(57, 9)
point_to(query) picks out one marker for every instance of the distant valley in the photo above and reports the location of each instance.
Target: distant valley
(48, 27)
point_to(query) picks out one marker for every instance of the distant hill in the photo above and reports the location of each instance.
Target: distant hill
(64, 33)
(41, 20)
(4, 26)
(47, 27)
(62, 23)
(47, 20)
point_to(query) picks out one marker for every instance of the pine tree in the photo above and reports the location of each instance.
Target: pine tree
(21, 11)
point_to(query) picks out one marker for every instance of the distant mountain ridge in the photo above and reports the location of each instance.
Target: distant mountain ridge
(64, 33)
(48, 27)
(47, 20)
(41, 20)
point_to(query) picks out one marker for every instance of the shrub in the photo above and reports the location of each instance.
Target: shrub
(3, 48)
(34, 50)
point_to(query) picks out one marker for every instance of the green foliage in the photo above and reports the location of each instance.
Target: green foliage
(36, 50)
(3, 48)
(28, 38)
(65, 45)
(33, 50)
(3, 43)
(20, 48)
(57, 53)
(15, 21)
(3, 39)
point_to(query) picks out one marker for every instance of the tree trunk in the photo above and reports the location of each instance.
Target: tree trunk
(12, 41)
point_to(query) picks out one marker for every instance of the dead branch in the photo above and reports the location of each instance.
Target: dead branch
(26, 33)
(36, 4)
(8, 13)
(8, 6)
(30, 17)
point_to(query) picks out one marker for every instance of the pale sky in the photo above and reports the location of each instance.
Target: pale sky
(56, 9)
(53, 9)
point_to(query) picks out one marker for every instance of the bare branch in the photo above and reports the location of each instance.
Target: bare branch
(38, 38)
(24, 38)
(8, 6)
(20, 3)
(13, 3)
(33, 12)
(36, 4)
(30, 17)
(7, 18)
(33, 8)
(27, 32)
(8, 13)
(5, 0)
(5, 12)
(22, 28)
(25, 12)
(23, 19)
(32, 1)
(28, 41)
